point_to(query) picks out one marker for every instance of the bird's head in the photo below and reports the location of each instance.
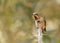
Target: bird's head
(36, 16)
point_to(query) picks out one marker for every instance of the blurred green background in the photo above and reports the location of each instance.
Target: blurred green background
(17, 24)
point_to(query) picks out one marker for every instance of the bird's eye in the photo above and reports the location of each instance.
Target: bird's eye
(38, 21)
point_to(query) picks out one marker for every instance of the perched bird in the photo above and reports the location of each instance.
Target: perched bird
(41, 21)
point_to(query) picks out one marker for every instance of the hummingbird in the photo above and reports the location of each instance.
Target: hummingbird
(41, 21)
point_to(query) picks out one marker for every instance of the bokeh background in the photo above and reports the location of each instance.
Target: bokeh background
(17, 24)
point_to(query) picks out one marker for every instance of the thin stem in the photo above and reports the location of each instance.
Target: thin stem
(39, 33)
